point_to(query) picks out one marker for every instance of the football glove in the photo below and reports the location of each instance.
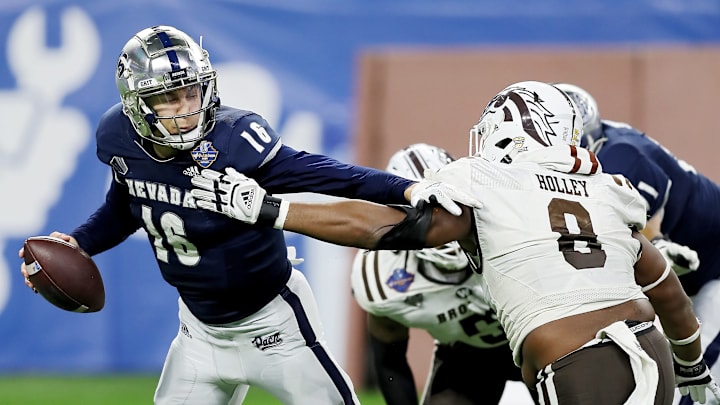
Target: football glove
(682, 259)
(239, 197)
(443, 194)
(693, 378)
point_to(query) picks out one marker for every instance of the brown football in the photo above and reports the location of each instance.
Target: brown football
(64, 274)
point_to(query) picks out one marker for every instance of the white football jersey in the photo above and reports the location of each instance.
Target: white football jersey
(553, 244)
(388, 283)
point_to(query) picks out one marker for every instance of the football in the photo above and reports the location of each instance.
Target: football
(64, 274)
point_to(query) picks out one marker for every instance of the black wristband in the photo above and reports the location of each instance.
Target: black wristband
(269, 211)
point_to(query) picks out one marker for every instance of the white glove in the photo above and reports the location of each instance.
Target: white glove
(682, 259)
(237, 196)
(693, 377)
(444, 194)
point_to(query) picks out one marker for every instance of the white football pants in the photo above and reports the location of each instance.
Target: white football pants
(280, 349)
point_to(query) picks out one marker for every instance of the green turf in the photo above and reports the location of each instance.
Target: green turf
(108, 390)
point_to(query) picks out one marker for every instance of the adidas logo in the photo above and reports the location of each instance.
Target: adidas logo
(192, 171)
(247, 197)
(184, 330)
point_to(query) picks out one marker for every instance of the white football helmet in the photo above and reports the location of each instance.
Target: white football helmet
(588, 109)
(155, 62)
(411, 163)
(525, 116)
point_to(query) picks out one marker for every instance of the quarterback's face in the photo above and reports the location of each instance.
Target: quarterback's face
(178, 110)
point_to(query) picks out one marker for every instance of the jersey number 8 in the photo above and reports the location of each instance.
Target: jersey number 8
(578, 241)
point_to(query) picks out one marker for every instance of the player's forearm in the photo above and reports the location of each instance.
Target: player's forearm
(393, 372)
(349, 223)
(674, 309)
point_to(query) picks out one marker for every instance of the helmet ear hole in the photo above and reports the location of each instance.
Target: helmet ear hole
(503, 143)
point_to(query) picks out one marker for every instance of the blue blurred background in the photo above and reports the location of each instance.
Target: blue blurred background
(294, 62)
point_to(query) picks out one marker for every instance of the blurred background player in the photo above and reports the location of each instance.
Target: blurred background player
(246, 317)
(575, 286)
(682, 206)
(432, 289)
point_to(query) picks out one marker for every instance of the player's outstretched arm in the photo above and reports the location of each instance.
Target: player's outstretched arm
(352, 223)
(367, 225)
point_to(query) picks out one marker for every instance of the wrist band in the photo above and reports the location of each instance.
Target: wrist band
(270, 211)
(282, 214)
(687, 340)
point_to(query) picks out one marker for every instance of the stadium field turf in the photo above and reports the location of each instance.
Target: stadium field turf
(108, 390)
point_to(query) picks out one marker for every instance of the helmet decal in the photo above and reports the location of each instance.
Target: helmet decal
(171, 54)
(532, 113)
(524, 116)
(123, 66)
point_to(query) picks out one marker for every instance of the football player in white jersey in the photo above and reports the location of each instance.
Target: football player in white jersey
(430, 289)
(575, 285)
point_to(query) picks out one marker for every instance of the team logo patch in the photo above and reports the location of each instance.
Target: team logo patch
(265, 342)
(204, 154)
(400, 280)
(118, 164)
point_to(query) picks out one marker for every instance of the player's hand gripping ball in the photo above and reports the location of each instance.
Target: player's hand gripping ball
(64, 274)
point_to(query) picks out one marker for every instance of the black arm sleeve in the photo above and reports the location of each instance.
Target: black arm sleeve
(410, 234)
(393, 372)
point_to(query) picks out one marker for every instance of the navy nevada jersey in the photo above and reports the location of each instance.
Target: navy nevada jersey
(222, 268)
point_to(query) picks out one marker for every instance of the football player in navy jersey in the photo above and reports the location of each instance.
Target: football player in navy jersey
(679, 203)
(246, 316)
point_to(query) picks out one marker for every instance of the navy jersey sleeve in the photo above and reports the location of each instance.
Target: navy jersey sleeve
(292, 171)
(649, 178)
(112, 222)
(257, 151)
(250, 140)
(109, 225)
